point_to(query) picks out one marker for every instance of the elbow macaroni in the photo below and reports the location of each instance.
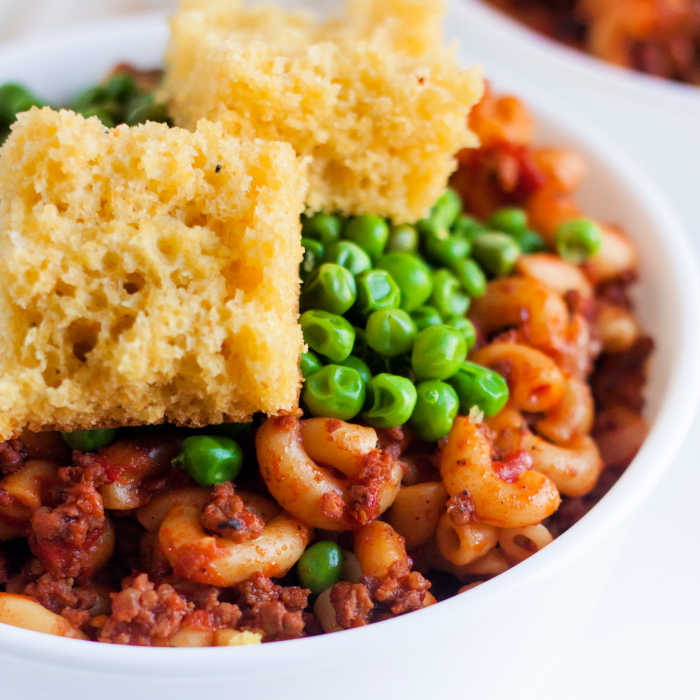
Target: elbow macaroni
(305, 488)
(216, 561)
(466, 465)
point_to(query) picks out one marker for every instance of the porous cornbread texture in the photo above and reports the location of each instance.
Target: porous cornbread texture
(411, 26)
(148, 273)
(380, 113)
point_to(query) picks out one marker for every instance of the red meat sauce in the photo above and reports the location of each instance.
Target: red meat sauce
(152, 602)
(64, 538)
(363, 504)
(227, 515)
(374, 599)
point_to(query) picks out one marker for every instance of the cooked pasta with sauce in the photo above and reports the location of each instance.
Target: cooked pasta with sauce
(473, 386)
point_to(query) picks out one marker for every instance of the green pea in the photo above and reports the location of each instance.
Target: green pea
(97, 102)
(313, 255)
(466, 327)
(467, 227)
(334, 392)
(320, 566)
(376, 290)
(120, 86)
(330, 288)
(425, 316)
(89, 98)
(392, 400)
(390, 332)
(89, 440)
(328, 334)
(431, 229)
(370, 232)
(470, 276)
(496, 252)
(145, 109)
(435, 411)
(509, 220)
(14, 99)
(447, 296)
(309, 363)
(323, 227)
(402, 239)
(349, 255)
(447, 250)
(528, 241)
(210, 459)
(577, 240)
(360, 366)
(446, 209)
(479, 386)
(438, 352)
(412, 276)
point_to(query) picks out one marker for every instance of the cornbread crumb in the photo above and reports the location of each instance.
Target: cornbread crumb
(148, 274)
(373, 99)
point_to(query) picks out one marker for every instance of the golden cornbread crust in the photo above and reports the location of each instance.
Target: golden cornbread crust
(373, 99)
(148, 274)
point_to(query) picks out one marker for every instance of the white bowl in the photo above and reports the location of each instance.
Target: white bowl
(500, 637)
(485, 26)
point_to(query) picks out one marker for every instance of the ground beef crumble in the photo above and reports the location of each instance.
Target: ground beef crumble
(144, 615)
(513, 465)
(461, 508)
(399, 592)
(363, 501)
(210, 611)
(62, 596)
(12, 456)
(619, 378)
(352, 603)
(63, 537)
(276, 611)
(374, 599)
(226, 515)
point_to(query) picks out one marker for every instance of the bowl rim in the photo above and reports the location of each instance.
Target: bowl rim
(667, 432)
(566, 58)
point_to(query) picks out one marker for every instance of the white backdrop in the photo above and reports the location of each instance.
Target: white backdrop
(19, 17)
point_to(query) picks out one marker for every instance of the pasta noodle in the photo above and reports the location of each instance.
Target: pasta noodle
(461, 544)
(309, 491)
(517, 544)
(466, 465)
(416, 511)
(200, 557)
(536, 383)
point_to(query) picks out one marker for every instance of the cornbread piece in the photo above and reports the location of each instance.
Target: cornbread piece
(412, 26)
(147, 274)
(380, 114)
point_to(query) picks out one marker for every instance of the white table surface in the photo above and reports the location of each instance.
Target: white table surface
(642, 640)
